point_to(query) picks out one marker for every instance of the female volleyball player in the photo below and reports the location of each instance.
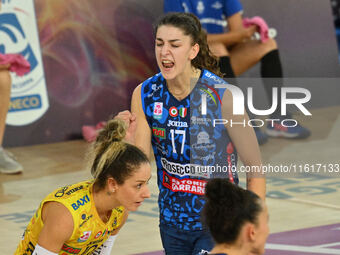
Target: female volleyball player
(86, 217)
(236, 218)
(177, 111)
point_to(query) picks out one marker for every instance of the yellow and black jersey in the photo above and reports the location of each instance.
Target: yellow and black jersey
(89, 231)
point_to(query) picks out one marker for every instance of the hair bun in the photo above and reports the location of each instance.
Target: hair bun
(114, 131)
(221, 191)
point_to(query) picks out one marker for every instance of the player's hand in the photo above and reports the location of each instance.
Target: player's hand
(131, 124)
(5, 66)
(248, 32)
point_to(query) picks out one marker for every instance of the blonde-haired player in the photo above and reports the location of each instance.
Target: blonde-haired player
(84, 218)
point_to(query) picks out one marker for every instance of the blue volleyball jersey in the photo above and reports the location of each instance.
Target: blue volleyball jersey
(212, 13)
(188, 149)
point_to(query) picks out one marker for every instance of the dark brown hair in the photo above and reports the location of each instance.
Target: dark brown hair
(191, 26)
(228, 207)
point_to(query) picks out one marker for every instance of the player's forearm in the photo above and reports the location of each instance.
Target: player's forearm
(257, 184)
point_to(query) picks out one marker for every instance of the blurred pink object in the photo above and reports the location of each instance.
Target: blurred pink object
(261, 25)
(90, 132)
(18, 63)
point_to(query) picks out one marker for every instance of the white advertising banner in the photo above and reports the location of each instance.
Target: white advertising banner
(19, 34)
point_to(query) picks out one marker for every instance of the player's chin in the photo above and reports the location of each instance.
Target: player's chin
(134, 207)
(169, 73)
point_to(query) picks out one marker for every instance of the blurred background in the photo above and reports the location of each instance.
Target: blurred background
(93, 54)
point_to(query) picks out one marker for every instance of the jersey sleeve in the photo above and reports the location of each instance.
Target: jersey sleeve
(173, 6)
(231, 7)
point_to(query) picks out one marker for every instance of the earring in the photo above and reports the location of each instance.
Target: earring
(109, 193)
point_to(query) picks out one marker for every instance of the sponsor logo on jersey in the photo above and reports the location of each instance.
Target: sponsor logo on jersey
(209, 91)
(98, 234)
(173, 123)
(200, 121)
(205, 157)
(184, 185)
(203, 142)
(173, 111)
(70, 249)
(184, 170)
(80, 202)
(214, 77)
(154, 88)
(159, 132)
(86, 235)
(114, 222)
(231, 160)
(157, 110)
(74, 189)
(93, 243)
(119, 210)
(61, 192)
(85, 220)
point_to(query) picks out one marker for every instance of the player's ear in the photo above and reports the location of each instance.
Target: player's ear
(111, 185)
(194, 51)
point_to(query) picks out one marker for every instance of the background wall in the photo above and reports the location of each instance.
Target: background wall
(95, 53)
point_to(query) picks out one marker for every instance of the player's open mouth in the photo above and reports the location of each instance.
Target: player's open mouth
(167, 64)
(139, 203)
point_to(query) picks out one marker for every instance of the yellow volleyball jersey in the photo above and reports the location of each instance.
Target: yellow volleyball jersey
(89, 231)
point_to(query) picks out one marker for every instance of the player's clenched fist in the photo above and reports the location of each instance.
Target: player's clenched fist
(130, 122)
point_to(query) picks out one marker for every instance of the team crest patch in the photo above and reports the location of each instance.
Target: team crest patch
(183, 112)
(173, 111)
(98, 234)
(86, 235)
(157, 110)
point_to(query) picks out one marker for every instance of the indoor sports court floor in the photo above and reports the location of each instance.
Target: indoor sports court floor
(304, 211)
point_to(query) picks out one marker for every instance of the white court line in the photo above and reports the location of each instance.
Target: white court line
(313, 203)
(285, 247)
(327, 245)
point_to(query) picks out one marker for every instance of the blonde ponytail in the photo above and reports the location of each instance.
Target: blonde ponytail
(109, 144)
(112, 157)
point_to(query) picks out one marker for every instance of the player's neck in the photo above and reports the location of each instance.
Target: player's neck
(104, 204)
(181, 86)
